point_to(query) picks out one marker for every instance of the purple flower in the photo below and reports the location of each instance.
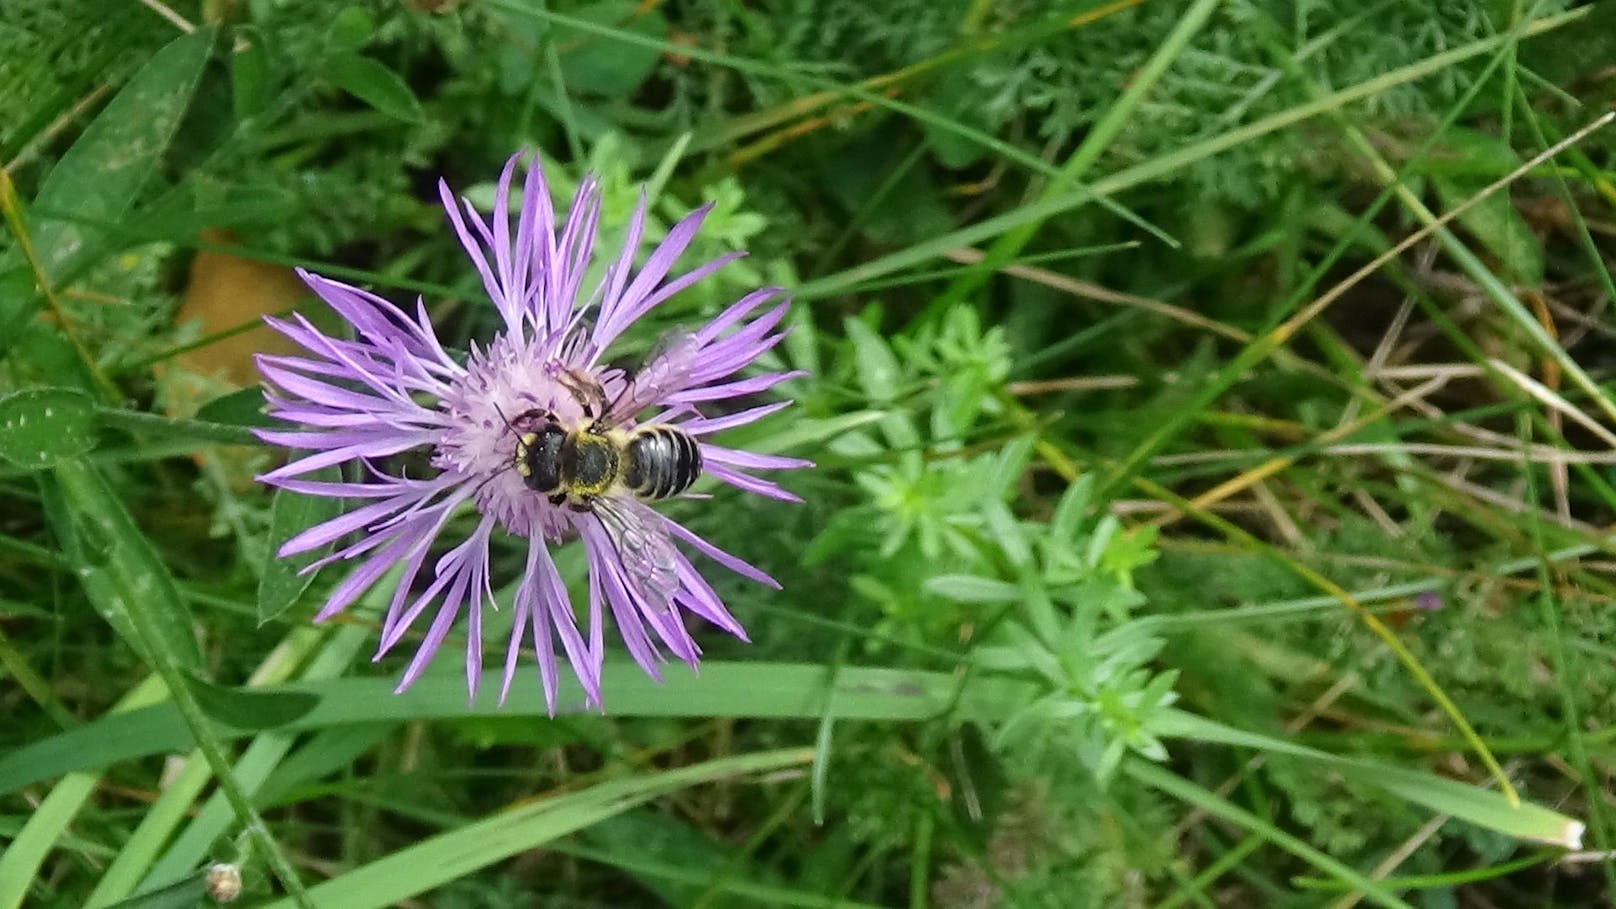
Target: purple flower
(394, 387)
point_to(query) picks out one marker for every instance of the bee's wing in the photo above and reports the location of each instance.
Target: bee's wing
(666, 370)
(646, 551)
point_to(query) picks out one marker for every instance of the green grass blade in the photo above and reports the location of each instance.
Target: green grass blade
(459, 852)
(1165, 165)
(1482, 807)
(758, 690)
(1095, 142)
(21, 859)
(1213, 804)
(874, 98)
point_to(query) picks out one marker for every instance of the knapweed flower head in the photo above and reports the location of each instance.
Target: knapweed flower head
(393, 387)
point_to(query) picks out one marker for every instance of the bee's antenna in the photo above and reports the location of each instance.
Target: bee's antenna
(508, 424)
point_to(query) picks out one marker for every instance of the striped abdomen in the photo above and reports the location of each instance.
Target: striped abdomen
(662, 461)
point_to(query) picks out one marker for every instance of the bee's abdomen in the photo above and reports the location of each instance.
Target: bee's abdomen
(662, 461)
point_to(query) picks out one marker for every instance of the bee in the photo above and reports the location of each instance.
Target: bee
(597, 466)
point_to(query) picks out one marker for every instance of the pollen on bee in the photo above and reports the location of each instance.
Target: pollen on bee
(523, 444)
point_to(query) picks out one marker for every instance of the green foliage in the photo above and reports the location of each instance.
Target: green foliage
(985, 628)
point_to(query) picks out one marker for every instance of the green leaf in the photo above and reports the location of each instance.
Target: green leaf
(962, 96)
(41, 426)
(120, 571)
(238, 408)
(17, 288)
(878, 369)
(967, 588)
(374, 84)
(100, 175)
(292, 513)
(50, 818)
(651, 835)
(251, 709)
(351, 29)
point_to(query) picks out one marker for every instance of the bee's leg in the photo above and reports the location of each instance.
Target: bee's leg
(582, 504)
(586, 391)
(557, 498)
(528, 418)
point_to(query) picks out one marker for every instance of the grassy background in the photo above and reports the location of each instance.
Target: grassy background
(1175, 540)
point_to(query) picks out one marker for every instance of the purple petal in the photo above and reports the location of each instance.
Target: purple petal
(450, 567)
(749, 483)
(339, 526)
(529, 608)
(508, 305)
(474, 250)
(603, 569)
(408, 500)
(618, 313)
(577, 241)
(466, 566)
(723, 558)
(361, 578)
(378, 321)
(435, 635)
(529, 255)
(617, 276)
(699, 597)
(585, 659)
(513, 648)
(737, 458)
(689, 278)
(406, 582)
(734, 389)
(332, 457)
(737, 311)
(739, 349)
(701, 426)
(590, 674)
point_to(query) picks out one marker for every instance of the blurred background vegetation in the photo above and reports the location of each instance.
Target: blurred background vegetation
(1127, 577)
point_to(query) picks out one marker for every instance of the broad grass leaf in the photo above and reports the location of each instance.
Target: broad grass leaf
(1482, 807)
(753, 690)
(185, 894)
(456, 853)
